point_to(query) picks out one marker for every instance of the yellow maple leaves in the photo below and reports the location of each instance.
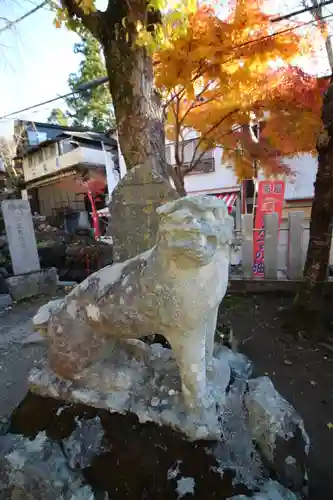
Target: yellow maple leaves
(222, 72)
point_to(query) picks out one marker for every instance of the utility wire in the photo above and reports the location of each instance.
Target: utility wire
(282, 32)
(100, 81)
(301, 11)
(10, 24)
(276, 19)
(80, 88)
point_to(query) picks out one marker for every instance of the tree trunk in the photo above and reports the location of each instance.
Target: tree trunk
(178, 179)
(138, 110)
(315, 270)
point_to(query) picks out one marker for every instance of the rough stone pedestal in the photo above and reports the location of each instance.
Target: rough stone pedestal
(143, 380)
(30, 285)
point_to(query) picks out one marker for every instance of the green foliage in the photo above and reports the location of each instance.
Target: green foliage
(58, 117)
(92, 108)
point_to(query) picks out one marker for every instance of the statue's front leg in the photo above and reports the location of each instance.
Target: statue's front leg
(190, 352)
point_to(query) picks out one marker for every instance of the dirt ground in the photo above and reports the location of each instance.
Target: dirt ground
(301, 373)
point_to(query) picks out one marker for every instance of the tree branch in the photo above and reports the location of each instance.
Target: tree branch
(91, 21)
(193, 164)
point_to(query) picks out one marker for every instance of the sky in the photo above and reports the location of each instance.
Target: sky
(36, 59)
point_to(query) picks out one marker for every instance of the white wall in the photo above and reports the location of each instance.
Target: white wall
(299, 186)
(222, 179)
(305, 169)
(96, 156)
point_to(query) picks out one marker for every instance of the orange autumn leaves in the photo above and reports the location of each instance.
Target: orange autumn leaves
(226, 74)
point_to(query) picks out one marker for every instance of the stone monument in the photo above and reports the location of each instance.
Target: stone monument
(134, 222)
(173, 289)
(28, 280)
(21, 236)
(96, 358)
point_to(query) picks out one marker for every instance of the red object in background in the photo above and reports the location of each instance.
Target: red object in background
(229, 199)
(95, 216)
(270, 199)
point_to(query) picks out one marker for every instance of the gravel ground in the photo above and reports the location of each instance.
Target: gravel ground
(16, 357)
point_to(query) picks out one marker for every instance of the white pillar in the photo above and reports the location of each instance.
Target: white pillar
(112, 177)
(24, 194)
(121, 159)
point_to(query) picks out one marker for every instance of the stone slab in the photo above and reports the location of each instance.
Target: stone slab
(21, 236)
(134, 221)
(247, 244)
(33, 284)
(295, 264)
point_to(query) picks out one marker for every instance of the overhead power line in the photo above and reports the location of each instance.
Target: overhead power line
(100, 81)
(80, 88)
(10, 24)
(301, 11)
(276, 19)
(282, 32)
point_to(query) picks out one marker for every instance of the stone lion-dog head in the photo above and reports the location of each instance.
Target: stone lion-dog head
(197, 226)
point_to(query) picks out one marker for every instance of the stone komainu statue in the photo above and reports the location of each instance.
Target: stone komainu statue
(173, 289)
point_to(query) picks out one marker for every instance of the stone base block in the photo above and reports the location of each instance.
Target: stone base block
(143, 380)
(25, 286)
(252, 430)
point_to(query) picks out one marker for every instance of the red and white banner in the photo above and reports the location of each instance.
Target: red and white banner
(229, 199)
(270, 199)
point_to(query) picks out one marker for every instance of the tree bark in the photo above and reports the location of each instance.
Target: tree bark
(315, 270)
(178, 179)
(138, 110)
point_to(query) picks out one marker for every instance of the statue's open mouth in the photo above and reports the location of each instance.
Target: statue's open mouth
(193, 243)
